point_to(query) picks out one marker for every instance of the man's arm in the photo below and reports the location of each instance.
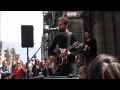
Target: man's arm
(53, 45)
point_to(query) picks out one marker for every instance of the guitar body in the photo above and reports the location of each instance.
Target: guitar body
(60, 67)
(63, 67)
(62, 70)
(62, 58)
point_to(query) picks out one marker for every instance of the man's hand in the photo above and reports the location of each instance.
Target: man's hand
(68, 53)
(85, 47)
(64, 53)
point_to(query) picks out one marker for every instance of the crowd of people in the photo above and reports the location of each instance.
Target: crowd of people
(104, 66)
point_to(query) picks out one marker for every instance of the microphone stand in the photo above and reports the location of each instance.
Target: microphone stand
(34, 56)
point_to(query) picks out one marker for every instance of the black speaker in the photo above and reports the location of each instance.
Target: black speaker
(27, 39)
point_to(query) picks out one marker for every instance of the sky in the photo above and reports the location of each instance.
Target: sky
(11, 22)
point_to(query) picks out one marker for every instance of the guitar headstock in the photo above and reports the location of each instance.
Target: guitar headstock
(75, 45)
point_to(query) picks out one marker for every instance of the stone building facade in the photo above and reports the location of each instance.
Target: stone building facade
(105, 27)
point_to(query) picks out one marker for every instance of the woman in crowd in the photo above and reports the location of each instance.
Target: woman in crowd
(19, 71)
(104, 66)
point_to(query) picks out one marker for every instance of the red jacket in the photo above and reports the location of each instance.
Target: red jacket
(16, 72)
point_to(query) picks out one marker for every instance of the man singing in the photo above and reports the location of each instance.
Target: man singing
(61, 41)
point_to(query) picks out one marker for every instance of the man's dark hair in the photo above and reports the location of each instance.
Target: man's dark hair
(64, 19)
(88, 32)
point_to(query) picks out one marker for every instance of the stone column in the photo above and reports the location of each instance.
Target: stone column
(0, 25)
(117, 31)
(100, 32)
(109, 33)
(76, 26)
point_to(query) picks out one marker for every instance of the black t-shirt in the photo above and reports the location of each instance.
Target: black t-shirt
(61, 41)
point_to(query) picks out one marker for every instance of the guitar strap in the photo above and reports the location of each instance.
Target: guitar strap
(68, 39)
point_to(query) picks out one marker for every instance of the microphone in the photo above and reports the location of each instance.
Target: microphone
(51, 29)
(56, 28)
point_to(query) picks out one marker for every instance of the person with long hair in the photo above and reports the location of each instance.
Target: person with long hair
(104, 66)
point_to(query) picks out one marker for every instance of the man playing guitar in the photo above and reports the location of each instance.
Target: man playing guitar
(61, 41)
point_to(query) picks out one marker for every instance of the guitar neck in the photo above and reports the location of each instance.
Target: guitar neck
(69, 48)
(74, 45)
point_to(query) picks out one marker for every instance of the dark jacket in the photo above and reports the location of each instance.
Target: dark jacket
(92, 51)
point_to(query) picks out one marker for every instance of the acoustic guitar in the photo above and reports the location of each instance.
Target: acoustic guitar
(62, 58)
